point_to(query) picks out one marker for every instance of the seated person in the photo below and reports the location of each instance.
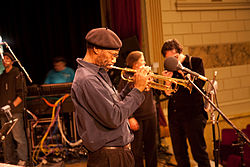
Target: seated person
(1, 66)
(61, 73)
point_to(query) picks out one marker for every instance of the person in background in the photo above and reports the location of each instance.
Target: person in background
(60, 73)
(143, 121)
(1, 66)
(1, 57)
(186, 115)
(101, 113)
(12, 93)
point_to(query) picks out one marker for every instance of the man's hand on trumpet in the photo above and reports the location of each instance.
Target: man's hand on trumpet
(168, 74)
(150, 79)
(141, 78)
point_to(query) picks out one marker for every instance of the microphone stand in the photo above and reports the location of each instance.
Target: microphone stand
(212, 117)
(211, 94)
(7, 46)
(243, 139)
(216, 149)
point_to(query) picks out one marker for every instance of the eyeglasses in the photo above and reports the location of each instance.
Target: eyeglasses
(116, 54)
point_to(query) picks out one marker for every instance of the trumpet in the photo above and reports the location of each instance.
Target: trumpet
(161, 80)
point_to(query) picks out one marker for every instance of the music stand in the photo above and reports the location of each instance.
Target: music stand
(161, 149)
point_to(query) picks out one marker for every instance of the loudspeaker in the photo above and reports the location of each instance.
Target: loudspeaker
(128, 45)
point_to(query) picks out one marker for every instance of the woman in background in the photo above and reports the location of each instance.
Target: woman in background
(143, 121)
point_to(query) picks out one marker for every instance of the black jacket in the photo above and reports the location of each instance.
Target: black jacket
(182, 102)
(12, 85)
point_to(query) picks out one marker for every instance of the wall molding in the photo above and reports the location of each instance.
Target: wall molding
(235, 102)
(222, 55)
(189, 5)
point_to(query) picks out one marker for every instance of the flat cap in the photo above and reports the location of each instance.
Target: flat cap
(103, 38)
(9, 55)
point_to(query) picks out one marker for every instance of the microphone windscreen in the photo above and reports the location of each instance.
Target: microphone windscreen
(171, 63)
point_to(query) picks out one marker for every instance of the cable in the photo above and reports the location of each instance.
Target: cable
(41, 146)
(63, 136)
(53, 119)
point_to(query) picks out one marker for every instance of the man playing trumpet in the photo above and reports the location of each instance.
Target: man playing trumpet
(101, 113)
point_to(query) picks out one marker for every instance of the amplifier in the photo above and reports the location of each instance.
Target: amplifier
(51, 92)
(49, 89)
(39, 107)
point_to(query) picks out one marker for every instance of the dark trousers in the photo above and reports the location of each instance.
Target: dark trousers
(15, 141)
(145, 143)
(111, 158)
(193, 130)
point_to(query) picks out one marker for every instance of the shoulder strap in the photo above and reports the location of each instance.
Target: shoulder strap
(190, 63)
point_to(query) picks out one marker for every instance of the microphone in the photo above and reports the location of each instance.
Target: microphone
(211, 91)
(172, 64)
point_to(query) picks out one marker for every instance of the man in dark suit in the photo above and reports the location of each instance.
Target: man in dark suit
(186, 114)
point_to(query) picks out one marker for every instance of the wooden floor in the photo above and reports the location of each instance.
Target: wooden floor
(84, 164)
(169, 161)
(76, 164)
(164, 160)
(161, 163)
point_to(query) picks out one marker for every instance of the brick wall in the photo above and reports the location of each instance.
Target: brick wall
(205, 27)
(215, 27)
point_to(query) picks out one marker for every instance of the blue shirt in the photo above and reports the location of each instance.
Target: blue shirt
(1, 66)
(66, 75)
(101, 113)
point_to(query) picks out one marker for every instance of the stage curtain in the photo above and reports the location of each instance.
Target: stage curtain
(39, 30)
(126, 18)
